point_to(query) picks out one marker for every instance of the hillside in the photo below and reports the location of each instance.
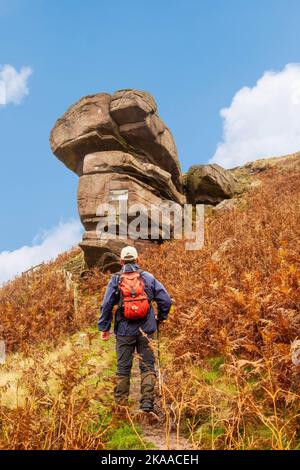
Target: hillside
(229, 378)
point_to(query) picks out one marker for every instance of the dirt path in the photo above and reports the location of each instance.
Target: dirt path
(158, 432)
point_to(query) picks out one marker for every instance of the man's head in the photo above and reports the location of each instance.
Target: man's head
(129, 255)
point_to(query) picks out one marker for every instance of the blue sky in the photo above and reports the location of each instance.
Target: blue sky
(192, 55)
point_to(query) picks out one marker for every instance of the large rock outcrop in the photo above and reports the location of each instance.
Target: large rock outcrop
(116, 144)
(126, 121)
(209, 184)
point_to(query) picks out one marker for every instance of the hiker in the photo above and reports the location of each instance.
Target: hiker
(133, 290)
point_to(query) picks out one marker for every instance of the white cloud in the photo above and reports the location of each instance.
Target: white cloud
(46, 246)
(13, 84)
(262, 121)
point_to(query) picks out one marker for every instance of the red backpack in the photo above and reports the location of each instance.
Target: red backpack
(134, 299)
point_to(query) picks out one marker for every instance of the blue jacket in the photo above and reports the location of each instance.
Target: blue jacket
(122, 327)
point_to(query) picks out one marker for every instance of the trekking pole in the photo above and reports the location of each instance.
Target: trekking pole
(158, 362)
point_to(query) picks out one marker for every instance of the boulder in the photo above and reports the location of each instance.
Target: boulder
(104, 254)
(209, 184)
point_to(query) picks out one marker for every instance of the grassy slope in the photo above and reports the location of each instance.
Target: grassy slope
(228, 369)
(61, 398)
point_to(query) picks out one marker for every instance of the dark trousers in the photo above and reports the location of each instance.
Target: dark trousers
(126, 347)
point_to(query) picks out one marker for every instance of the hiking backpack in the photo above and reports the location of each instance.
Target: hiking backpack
(133, 297)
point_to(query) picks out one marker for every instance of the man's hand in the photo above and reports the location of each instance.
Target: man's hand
(105, 335)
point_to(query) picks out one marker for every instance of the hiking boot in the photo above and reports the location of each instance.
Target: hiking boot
(158, 412)
(121, 390)
(146, 406)
(148, 380)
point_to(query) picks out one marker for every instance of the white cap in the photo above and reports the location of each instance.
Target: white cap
(129, 253)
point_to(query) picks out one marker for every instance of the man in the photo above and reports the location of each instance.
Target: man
(134, 325)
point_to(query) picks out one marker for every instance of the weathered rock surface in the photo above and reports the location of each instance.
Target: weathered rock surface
(139, 124)
(131, 106)
(120, 163)
(115, 144)
(85, 127)
(94, 190)
(209, 184)
(126, 121)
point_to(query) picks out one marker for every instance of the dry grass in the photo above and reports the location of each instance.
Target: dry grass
(242, 304)
(58, 398)
(237, 304)
(41, 306)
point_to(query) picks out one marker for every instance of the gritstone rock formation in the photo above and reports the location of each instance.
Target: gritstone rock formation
(209, 184)
(122, 151)
(120, 148)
